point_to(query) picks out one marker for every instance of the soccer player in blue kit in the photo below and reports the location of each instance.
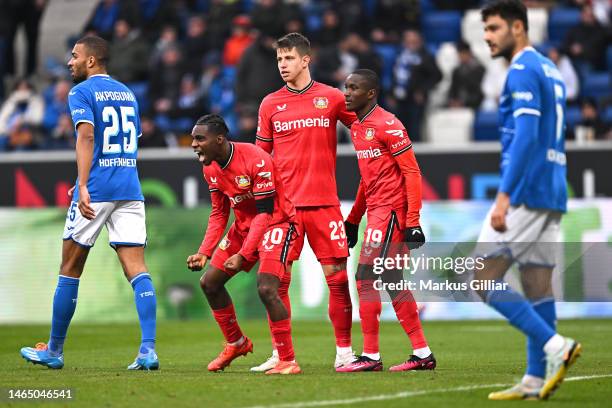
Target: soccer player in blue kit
(523, 224)
(107, 193)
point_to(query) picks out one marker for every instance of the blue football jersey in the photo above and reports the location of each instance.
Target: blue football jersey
(111, 108)
(537, 177)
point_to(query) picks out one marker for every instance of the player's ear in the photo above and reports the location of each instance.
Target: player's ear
(306, 60)
(91, 61)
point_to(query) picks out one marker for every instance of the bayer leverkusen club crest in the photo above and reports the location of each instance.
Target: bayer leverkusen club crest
(369, 133)
(320, 102)
(243, 181)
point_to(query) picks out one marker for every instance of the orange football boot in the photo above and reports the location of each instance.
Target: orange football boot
(285, 367)
(229, 353)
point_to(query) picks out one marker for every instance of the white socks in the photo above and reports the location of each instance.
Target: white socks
(344, 350)
(422, 352)
(531, 381)
(373, 356)
(555, 344)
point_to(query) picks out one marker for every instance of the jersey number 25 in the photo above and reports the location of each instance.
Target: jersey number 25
(126, 126)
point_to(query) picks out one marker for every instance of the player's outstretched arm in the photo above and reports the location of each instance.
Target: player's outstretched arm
(84, 153)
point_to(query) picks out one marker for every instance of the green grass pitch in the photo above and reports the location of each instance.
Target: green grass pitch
(471, 357)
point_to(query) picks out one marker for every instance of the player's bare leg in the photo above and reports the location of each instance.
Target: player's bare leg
(64, 305)
(267, 288)
(213, 285)
(136, 272)
(340, 308)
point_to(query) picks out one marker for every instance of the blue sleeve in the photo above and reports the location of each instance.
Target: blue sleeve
(523, 142)
(524, 90)
(80, 107)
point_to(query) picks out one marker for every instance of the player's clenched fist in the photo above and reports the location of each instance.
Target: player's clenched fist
(196, 262)
(352, 231)
(414, 236)
(234, 263)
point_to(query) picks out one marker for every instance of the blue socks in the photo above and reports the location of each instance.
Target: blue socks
(146, 306)
(536, 363)
(521, 314)
(64, 304)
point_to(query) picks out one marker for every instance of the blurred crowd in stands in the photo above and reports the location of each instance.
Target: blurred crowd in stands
(184, 58)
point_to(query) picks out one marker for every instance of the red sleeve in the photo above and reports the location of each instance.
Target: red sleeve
(262, 174)
(412, 177)
(359, 207)
(397, 141)
(217, 221)
(264, 136)
(257, 229)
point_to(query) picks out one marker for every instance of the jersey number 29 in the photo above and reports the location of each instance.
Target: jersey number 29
(126, 126)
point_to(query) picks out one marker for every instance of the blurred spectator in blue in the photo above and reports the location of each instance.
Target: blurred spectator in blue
(128, 51)
(20, 117)
(335, 63)
(415, 74)
(220, 15)
(242, 37)
(168, 38)
(104, 16)
(56, 105)
(195, 44)
(18, 13)
(189, 105)
(152, 136)
(586, 43)
(330, 30)
(165, 81)
(563, 63)
(465, 89)
(591, 126)
(257, 74)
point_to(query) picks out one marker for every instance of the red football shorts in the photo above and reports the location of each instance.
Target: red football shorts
(325, 229)
(384, 234)
(273, 250)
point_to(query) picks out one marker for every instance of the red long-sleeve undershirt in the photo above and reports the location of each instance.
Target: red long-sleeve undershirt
(217, 221)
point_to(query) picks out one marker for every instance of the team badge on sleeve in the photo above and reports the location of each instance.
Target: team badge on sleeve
(243, 181)
(320, 102)
(369, 133)
(224, 244)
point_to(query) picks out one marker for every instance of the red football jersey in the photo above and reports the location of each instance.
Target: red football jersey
(378, 139)
(249, 175)
(300, 128)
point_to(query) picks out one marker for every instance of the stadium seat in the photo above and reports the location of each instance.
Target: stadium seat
(472, 29)
(441, 26)
(572, 116)
(387, 53)
(486, 126)
(560, 20)
(596, 85)
(609, 58)
(607, 115)
(450, 126)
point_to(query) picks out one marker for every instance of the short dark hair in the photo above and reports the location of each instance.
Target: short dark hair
(370, 77)
(215, 123)
(291, 40)
(509, 10)
(96, 46)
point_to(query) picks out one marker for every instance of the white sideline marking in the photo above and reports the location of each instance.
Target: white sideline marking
(405, 394)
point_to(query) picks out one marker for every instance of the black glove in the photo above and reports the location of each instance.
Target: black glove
(352, 230)
(414, 236)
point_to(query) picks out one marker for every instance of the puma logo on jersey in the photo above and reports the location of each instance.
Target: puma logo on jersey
(282, 107)
(395, 132)
(260, 165)
(390, 122)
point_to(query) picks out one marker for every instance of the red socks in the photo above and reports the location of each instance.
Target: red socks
(281, 337)
(340, 307)
(226, 319)
(283, 290)
(407, 313)
(369, 312)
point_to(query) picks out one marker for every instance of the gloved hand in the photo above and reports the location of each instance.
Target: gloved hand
(352, 231)
(414, 236)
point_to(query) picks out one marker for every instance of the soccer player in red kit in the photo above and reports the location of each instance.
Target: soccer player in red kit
(298, 124)
(390, 190)
(243, 177)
